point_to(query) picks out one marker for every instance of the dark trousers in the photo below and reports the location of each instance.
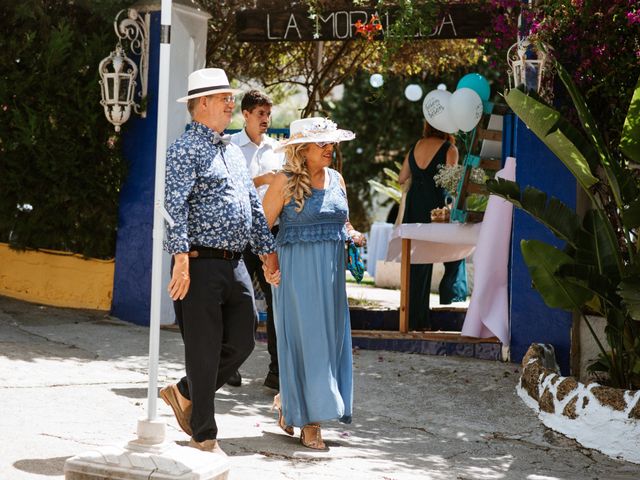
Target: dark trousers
(216, 320)
(254, 265)
(453, 288)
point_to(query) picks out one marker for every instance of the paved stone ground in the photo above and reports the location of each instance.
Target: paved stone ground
(74, 380)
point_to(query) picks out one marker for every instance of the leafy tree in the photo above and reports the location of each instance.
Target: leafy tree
(57, 153)
(295, 64)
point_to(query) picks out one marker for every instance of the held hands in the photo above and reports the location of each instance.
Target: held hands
(358, 238)
(271, 268)
(180, 280)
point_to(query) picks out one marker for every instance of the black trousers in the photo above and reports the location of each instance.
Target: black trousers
(453, 288)
(254, 265)
(216, 320)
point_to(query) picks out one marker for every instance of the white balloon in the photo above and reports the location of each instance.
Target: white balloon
(413, 92)
(376, 80)
(442, 86)
(466, 108)
(437, 111)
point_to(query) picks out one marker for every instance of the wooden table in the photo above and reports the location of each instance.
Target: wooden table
(428, 243)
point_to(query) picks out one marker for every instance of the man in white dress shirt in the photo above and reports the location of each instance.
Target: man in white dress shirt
(262, 162)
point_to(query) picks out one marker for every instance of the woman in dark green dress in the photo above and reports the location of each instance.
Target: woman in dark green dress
(420, 165)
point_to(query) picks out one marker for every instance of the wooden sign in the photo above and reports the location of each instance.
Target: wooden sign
(456, 21)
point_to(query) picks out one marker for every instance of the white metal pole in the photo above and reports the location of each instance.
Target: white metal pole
(158, 221)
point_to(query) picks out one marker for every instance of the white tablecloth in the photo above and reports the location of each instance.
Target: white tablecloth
(377, 244)
(488, 312)
(434, 242)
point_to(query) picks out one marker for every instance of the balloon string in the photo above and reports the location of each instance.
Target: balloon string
(473, 137)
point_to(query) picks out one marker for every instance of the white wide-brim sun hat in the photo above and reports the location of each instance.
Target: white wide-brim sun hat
(208, 81)
(314, 130)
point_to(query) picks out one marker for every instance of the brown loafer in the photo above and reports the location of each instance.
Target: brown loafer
(210, 445)
(172, 396)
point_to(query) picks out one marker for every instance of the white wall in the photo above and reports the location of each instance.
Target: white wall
(188, 53)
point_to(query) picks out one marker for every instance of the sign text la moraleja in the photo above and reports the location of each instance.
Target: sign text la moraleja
(457, 21)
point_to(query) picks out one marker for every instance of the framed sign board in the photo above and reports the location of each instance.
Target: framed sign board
(255, 25)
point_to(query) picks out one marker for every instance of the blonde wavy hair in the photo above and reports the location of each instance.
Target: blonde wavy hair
(298, 184)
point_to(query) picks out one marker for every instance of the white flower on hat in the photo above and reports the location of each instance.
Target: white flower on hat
(315, 129)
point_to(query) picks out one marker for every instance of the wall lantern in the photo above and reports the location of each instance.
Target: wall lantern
(527, 65)
(118, 72)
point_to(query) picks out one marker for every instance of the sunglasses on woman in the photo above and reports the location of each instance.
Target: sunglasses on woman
(324, 144)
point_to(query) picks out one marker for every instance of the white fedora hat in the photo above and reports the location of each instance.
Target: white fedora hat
(315, 130)
(208, 81)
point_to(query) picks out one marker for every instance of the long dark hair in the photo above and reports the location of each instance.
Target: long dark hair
(429, 131)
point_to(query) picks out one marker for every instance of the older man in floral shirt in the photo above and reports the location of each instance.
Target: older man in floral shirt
(216, 213)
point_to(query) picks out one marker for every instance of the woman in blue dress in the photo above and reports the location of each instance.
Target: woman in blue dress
(310, 302)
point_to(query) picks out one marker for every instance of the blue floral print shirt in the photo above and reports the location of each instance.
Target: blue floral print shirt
(210, 197)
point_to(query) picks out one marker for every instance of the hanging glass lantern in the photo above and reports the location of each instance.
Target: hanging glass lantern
(527, 65)
(117, 73)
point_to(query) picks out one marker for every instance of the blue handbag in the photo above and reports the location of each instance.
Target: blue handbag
(354, 261)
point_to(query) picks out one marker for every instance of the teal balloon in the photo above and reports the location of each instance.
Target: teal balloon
(477, 83)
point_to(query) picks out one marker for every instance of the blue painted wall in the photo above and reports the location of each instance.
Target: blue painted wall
(531, 320)
(132, 282)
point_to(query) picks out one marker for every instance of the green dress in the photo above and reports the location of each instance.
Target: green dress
(422, 197)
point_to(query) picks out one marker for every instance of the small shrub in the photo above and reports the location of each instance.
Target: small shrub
(58, 154)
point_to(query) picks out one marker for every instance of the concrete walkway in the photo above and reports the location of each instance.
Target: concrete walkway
(387, 298)
(74, 380)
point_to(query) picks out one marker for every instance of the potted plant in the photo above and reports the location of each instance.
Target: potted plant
(598, 271)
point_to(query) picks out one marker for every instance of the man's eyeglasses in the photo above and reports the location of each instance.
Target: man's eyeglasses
(324, 144)
(229, 99)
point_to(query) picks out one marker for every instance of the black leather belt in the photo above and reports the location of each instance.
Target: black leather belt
(208, 252)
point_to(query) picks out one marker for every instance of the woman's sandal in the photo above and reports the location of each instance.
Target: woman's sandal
(311, 437)
(288, 429)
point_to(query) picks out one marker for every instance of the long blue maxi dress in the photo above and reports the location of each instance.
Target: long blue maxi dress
(311, 309)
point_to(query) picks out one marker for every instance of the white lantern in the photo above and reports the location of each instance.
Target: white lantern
(413, 92)
(118, 72)
(376, 80)
(527, 65)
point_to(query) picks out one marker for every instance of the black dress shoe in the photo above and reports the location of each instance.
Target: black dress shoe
(235, 380)
(272, 381)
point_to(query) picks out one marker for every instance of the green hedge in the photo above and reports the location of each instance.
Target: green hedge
(58, 153)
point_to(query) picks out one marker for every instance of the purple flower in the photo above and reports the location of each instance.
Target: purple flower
(633, 17)
(535, 26)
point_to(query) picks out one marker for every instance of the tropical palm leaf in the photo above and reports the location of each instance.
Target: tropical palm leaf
(393, 193)
(554, 214)
(543, 261)
(599, 246)
(629, 290)
(631, 215)
(392, 174)
(562, 138)
(580, 104)
(630, 140)
(590, 278)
